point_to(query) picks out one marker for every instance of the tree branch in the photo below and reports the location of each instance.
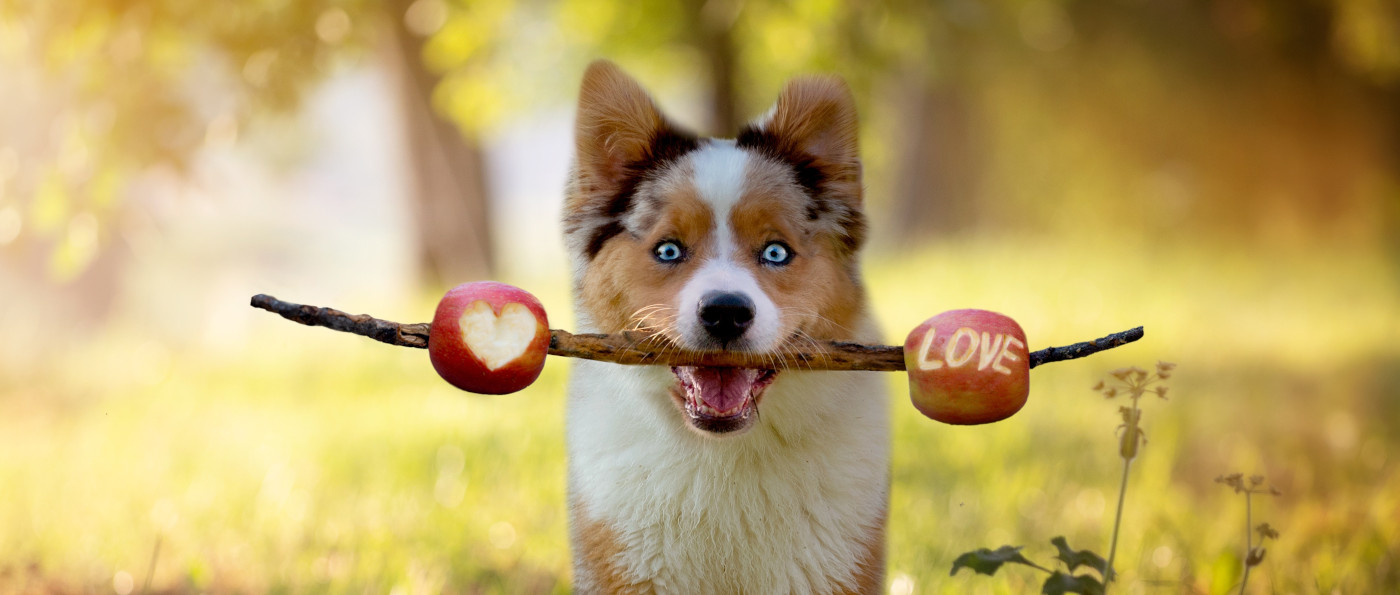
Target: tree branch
(633, 347)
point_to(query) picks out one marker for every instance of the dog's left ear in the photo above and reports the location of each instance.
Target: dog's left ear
(814, 128)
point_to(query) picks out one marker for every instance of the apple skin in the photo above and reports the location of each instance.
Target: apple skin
(455, 360)
(982, 378)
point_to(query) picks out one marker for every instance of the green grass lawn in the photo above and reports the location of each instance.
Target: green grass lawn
(310, 461)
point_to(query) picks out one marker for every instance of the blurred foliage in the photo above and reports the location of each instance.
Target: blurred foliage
(132, 84)
(142, 79)
(1266, 119)
(108, 90)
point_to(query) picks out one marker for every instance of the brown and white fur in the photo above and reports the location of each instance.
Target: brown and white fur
(695, 480)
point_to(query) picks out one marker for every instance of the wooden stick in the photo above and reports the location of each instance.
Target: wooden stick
(637, 348)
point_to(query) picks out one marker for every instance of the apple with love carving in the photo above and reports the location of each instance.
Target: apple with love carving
(968, 367)
(489, 338)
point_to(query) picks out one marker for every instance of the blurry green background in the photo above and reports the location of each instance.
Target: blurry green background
(1225, 172)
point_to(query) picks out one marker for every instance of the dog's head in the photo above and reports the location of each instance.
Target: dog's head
(746, 244)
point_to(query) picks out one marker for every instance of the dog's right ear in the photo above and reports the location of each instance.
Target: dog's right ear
(620, 135)
(615, 125)
(619, 130)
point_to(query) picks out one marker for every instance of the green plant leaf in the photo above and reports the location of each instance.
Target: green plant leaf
(985, 561)
(1060, 583)
(1074, 559)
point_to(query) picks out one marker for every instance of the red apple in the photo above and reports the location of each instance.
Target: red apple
(489, 338)
(968, 367)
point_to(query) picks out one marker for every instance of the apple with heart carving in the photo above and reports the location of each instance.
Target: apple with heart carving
(968, 367)
(489, 338)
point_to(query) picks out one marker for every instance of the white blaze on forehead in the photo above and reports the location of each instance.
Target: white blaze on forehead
(718, 169)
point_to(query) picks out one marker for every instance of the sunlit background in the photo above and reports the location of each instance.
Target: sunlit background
(1224, 172)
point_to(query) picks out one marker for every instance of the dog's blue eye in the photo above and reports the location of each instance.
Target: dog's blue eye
(668, 251)
(776, 253)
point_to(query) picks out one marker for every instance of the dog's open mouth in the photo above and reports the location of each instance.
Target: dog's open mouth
(720, 400)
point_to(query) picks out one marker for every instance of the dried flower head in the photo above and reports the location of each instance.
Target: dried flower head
(1134, 382)
(1266, 532)
(1164, 370)
(1255, 484)
(1234, 480)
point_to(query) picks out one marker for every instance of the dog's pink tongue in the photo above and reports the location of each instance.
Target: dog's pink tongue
(723, 389)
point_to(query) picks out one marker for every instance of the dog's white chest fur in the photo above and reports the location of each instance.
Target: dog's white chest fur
(787, 507)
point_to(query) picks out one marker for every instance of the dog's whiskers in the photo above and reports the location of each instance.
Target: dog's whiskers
(644, 318)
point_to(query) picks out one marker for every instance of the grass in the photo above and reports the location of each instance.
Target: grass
(308, 461)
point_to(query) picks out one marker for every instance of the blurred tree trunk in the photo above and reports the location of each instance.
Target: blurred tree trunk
(447, 170)
(714, 38)
(935, 189)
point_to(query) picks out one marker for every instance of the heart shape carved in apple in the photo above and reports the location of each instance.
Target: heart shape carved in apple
(496, 340)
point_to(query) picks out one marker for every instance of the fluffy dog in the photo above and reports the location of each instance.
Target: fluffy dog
(722, 480)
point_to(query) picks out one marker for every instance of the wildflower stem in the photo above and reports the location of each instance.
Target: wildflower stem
(151, 569)
(1248, 538)
(1109, 573)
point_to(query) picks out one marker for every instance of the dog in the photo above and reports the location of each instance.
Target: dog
(722, 480)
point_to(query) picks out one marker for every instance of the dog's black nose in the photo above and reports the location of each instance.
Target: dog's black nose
(726, 315)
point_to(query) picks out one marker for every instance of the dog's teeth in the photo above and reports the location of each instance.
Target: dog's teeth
(705, 409)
